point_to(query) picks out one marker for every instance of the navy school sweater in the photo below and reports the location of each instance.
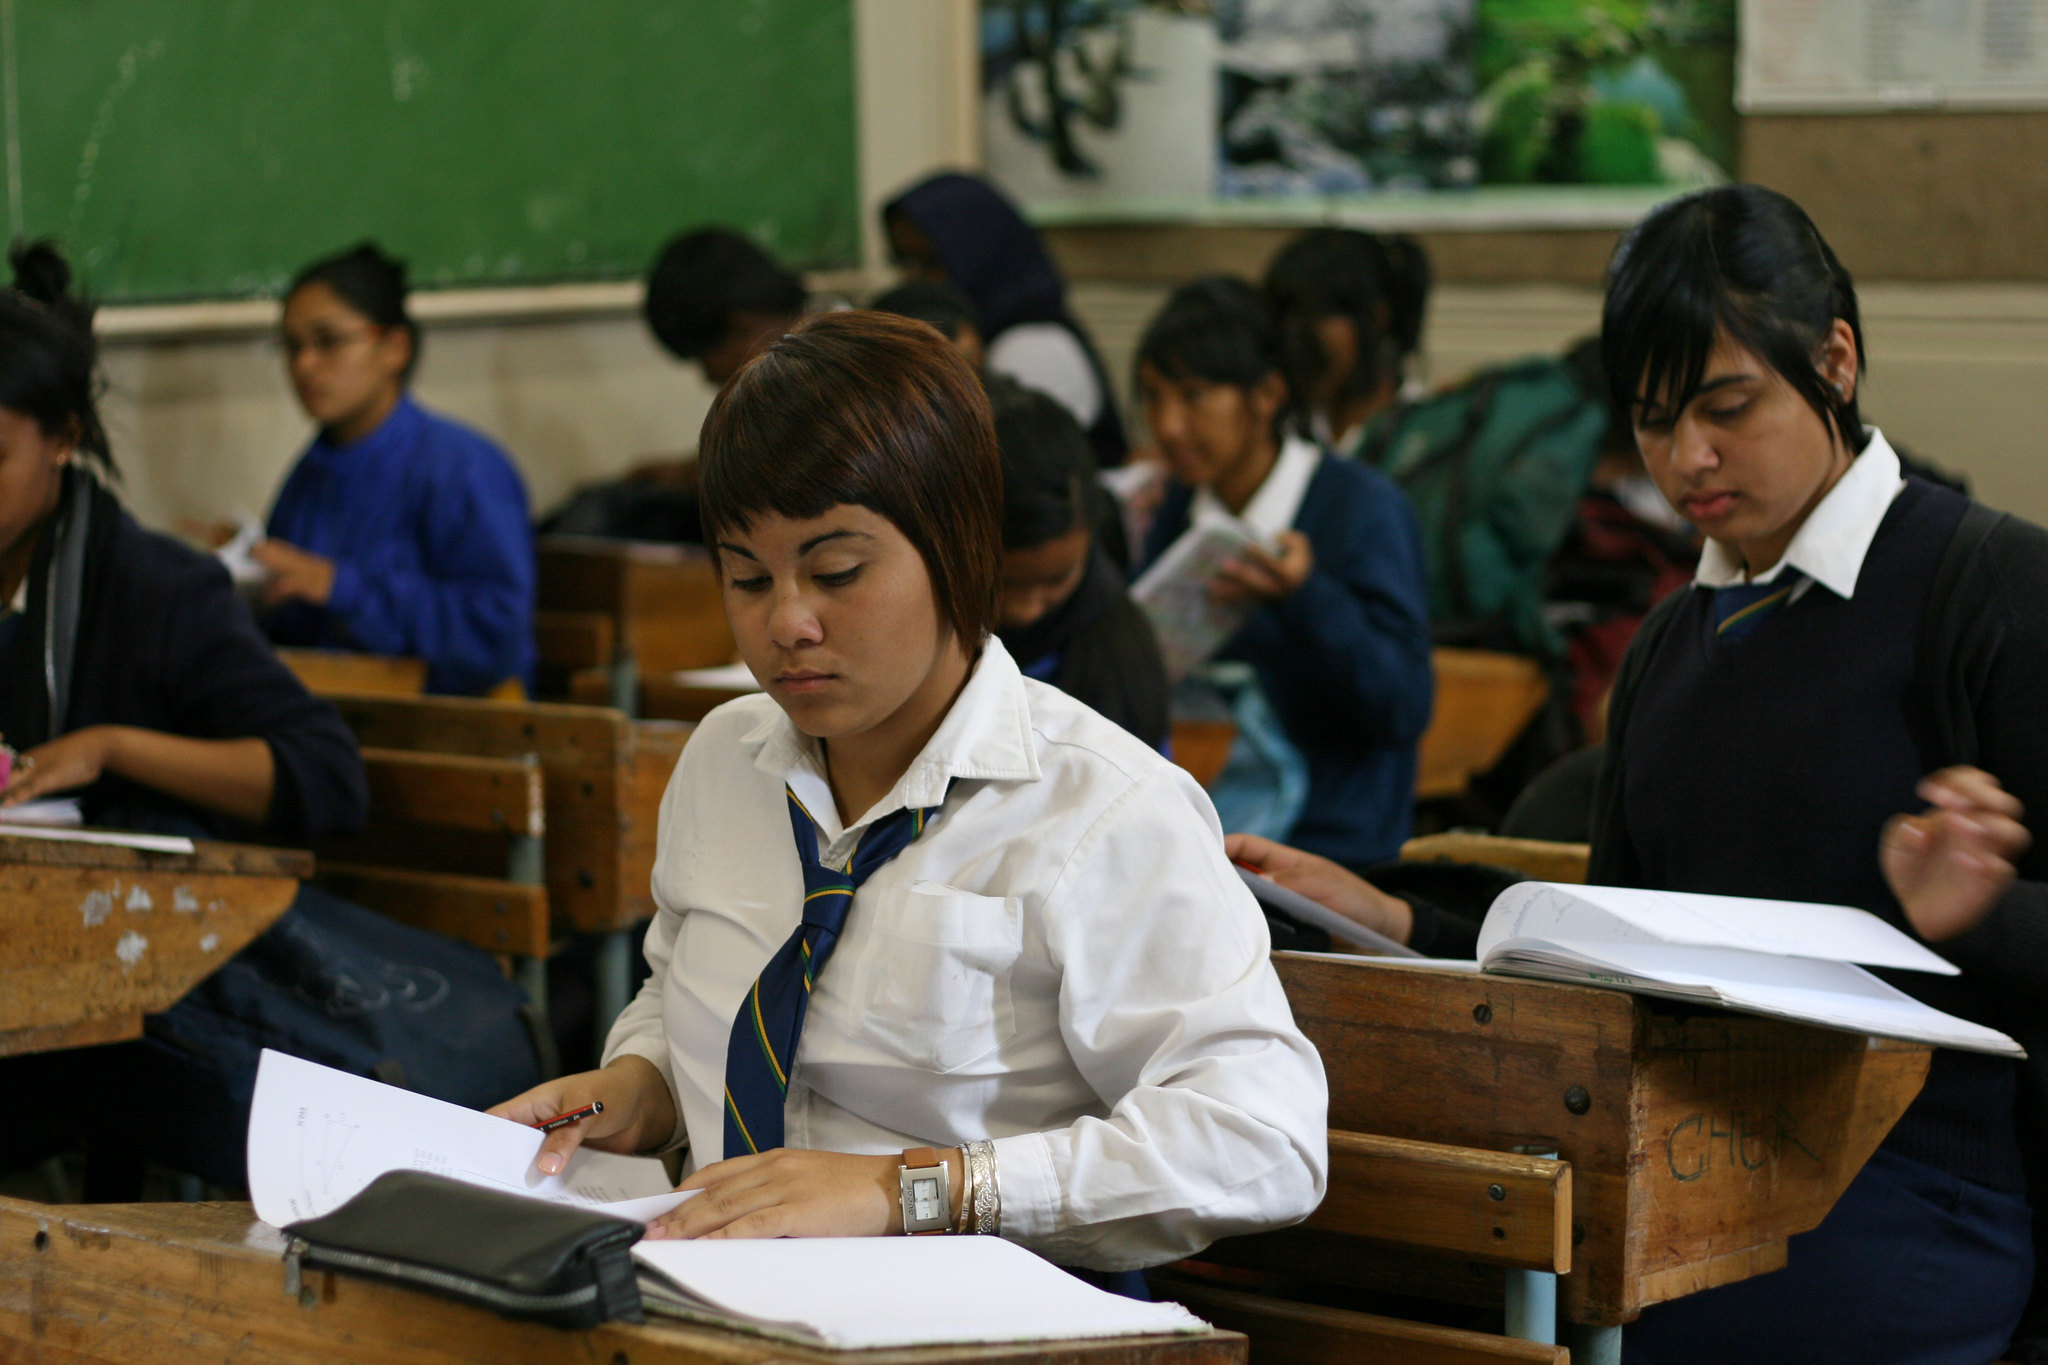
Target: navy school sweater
(1345, 659)
(1768, 767)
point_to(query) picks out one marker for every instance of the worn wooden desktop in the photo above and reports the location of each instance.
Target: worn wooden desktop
(93, 937)
(1698, 1140)
(172, 1283)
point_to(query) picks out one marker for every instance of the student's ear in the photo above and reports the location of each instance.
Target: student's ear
(1838, 362)
(1267, 397)
(397, 346)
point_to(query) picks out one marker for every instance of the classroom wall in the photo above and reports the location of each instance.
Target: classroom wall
(1955, 311)
(205, 425)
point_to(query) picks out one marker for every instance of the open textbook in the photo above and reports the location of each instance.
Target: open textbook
(317, 1136)
(860, 1293)
(1174, 593)
(1779, 958)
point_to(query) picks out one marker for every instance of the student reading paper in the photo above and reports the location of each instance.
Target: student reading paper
(1845, 708)
(912, 900)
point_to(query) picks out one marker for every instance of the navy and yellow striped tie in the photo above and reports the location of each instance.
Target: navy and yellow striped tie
(1740, 608)
(771, 1016)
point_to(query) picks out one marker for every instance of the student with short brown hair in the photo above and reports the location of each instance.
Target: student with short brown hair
(917, 910)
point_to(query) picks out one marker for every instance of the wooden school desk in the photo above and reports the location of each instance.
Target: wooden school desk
(167, 1284)
(93, 937)
(656, 607)
(1698, 1140)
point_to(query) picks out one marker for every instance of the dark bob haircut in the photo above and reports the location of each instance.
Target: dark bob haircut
(874, 410)
(1047, 467)
(371, 283)
(49, 362)
(1217, 329)
(1738, 260)
(703, 278)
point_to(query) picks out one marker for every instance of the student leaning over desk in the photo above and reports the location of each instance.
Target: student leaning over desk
(1847, 708)
(399, 531)
(1058, 981)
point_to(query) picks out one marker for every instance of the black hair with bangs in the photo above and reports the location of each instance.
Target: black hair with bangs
(1738, 259)
(1217, 329)
(874, 410)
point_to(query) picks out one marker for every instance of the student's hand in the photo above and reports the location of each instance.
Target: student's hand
(1254, 575)
(66, 762)
(295, 574)
(1950, 864)
(638, 1111)
(1326, 883)
(788, 1192)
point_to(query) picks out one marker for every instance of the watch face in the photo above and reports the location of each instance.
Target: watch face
(924, 1199)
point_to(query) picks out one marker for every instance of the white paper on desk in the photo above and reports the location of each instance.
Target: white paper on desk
(866, 1292)
(727, 677)
(153, 843)
(1613, 914)
(55, 810)
(317, 1136)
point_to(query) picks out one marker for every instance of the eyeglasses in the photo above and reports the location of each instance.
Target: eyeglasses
(322, 342)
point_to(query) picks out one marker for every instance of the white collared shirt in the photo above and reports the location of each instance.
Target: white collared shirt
(1064, 962)
(1273, 508)
(1830, 545)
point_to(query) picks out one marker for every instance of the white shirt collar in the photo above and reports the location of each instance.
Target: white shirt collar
(986, 734)
(1829, 547)
(1273, 508)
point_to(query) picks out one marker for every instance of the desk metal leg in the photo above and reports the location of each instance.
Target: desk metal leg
(626, 685)
(608, 996)
(1531, 1298)
(1596, 1346)
(1532, 1306)
(533, 979)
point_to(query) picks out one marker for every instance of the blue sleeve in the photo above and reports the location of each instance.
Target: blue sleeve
(1358, 628)
(469, 613)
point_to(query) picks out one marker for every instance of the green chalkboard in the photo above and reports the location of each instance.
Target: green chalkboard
(209, 148)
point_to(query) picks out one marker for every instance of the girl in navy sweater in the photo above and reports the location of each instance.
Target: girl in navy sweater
(1846, 709)
(1340, 636)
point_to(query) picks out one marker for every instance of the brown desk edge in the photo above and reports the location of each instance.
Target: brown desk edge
(168, 1283)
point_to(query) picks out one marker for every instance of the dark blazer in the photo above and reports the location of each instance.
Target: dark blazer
(165, 643)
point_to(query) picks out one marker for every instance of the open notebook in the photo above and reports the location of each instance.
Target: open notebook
(1781, 958)
(860, 1293)
(317, 1136)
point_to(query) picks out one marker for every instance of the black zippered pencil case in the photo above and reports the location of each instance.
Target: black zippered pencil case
(524, 1258)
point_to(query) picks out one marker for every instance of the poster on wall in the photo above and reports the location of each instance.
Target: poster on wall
(1151, 102)
(1811, 56)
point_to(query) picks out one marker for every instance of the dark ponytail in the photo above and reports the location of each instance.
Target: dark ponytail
(371, 283)
(49, 360)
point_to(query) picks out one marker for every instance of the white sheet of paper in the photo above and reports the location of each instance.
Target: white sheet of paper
(736, 677)
(54, 810)
(153, 843)
(317, 1136)
(1836, 933)
(896, 1291)
(1174, 593)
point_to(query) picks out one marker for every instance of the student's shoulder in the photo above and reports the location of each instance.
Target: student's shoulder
(154, 569)
(1352, 483)
(461, 451)
(1077, 743)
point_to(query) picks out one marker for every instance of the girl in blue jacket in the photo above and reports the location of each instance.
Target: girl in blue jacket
(399, 531)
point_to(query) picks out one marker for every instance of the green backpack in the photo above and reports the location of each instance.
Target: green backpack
(1495, 468)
